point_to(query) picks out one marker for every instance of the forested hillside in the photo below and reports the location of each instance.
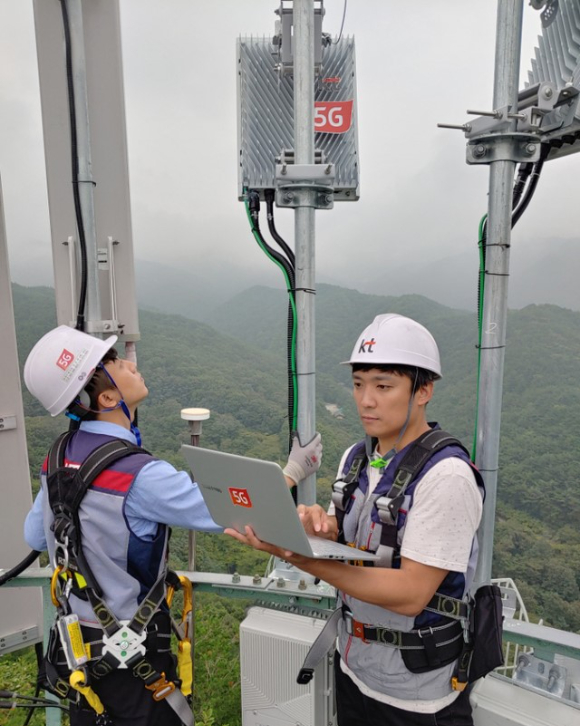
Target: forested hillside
(537, 532)
(236, 368)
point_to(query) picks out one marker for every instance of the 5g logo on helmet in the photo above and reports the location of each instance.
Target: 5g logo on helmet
(65, 359)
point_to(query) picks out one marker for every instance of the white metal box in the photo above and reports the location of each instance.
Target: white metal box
(273, 645)
(266, 116)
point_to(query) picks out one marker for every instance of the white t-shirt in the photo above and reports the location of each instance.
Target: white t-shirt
(441, 524)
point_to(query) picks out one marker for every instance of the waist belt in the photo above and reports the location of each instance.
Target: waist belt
(422, 639)
(422, 650)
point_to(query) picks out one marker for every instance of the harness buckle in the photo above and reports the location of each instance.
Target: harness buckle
(384, 511)
(353, 627)
(348, 621)
(124, 644)
(338, 494)
(458, 685)
(161, 688)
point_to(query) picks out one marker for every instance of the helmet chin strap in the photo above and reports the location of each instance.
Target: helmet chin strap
(122, 405)
(381, 462)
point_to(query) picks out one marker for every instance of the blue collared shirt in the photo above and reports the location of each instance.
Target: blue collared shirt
(160, 495)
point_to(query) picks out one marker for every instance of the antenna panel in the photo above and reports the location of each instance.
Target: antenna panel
(557, 60)
(21, 608)
(104, 69)
(266, 116)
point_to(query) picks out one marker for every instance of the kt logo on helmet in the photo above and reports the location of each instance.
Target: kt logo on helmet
(65, 359)
(366, 346)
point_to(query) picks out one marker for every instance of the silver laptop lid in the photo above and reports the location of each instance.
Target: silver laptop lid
(241, 491)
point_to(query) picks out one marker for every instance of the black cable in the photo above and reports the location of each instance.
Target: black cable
(13, 695)
(254, 205)
(269, 195)
(530, 191)
(524, 172)
(520, 201)
(288, 265)
(80, 324)
(32, 706)
(342, 24)
(291, 392)
(20, 567)
(39, 650)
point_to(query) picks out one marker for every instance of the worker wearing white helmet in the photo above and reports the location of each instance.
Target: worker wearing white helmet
(409, 493)
(124, 518)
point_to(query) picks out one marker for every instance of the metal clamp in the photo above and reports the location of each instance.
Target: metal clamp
(305, 194)
(516, 147)
(305, 173)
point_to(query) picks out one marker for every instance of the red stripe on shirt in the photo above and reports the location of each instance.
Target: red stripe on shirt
(117, 481)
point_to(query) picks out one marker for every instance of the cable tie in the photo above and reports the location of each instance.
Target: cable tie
(489, 347)
(497, 244)
(312, 373)
(84, 181)
(496, 274)
(312, 291)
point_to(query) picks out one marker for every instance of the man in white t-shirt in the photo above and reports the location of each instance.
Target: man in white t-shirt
(399, 638)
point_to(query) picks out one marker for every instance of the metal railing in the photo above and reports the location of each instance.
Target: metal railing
(318, 599)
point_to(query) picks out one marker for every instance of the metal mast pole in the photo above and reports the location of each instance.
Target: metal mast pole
(85, 178)
(304, 229)
(501, 176)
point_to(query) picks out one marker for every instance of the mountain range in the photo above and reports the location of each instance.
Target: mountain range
(234, 364)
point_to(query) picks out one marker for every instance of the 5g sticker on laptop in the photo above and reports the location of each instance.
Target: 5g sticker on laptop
(240, 497)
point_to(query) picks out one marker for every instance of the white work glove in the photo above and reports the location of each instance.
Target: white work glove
(303, 459)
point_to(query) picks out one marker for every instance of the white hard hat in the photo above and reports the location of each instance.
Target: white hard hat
(61, 364)
(395, 340)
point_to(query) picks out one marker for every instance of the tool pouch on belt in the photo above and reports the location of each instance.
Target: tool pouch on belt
(435, 652)
(484, 651)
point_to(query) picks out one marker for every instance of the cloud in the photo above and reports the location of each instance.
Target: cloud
(417, 64)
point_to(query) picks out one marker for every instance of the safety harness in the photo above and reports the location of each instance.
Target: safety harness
(422, 649)
(124, 642)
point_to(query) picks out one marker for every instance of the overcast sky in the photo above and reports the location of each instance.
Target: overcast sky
(418, 63)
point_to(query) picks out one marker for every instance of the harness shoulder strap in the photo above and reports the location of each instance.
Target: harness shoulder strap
(55, 458)
(422, 449)
(102, 458)
(344, 488)
(66, 488)
(412, 463)
(97, 461)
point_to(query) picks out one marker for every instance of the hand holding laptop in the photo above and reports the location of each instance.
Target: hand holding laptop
(315, 521)
(248, 537)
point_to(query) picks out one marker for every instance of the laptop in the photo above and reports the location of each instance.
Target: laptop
(240, 491)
